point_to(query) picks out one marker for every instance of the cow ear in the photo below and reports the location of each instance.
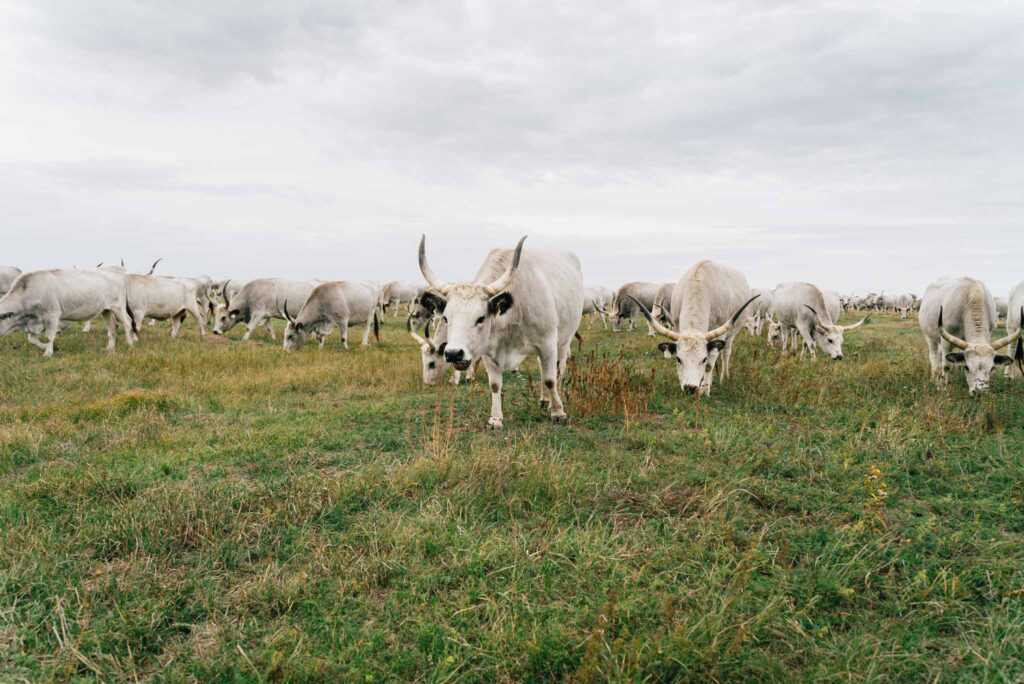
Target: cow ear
(432, 302)
(1003, 360)
(667, 348)
(955, 357)
(235, 313)
(298, 326)
(440, 348)
(716, 344)
(499, 304)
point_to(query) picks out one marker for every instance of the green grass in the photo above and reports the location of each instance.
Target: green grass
(226, 511)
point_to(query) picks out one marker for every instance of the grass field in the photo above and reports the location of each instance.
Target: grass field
(217, 510)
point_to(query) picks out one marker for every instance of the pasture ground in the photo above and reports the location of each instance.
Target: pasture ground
(227, 511)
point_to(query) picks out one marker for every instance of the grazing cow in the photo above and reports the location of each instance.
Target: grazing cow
(341, 303)
(624, 308)
(161, 298)
(394, 293)
(259, 301)
(960, 313)
(519, 304)
(40, 301)
(904, 305)
(708, 307)
(803, 307)
(8, 274)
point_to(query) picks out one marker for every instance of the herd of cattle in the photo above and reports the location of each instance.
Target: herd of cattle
(521, 303)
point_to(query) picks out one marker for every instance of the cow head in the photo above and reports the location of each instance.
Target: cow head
(695, 351)
(295, 332)
(470, 308)
(229, 316)
(829, 336)
(979, 359)
(435, 367)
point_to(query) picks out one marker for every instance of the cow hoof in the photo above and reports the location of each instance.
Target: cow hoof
(495, 423)
(560, 420)
(544, 403)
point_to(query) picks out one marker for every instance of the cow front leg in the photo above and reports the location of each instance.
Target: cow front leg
(200, 316)
(250, 327)
(269, 325)
(494, 378)
(549, 377)
(36, 342)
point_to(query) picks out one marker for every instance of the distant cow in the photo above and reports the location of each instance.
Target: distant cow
(39, 301)
(960, 313)
(904, 305)
(802, 306)
(395, 293)
(596, 301)
(260, 301)
(161, 298)
(624, 304)
(519, 304)
(708, 307)
(341, 303)
(1015, 320)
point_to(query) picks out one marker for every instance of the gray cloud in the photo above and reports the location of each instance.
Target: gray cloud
(829, 140)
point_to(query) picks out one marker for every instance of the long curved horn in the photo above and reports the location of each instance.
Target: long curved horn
(99, 264)
(153, 267)
(427, 272)
(999, 344)
(291, 319)
(224, 294)
(726, 327)
(952, 339)
(658, 327)
(505, 280)
(817, 318)
(848, 328)
(419, 340)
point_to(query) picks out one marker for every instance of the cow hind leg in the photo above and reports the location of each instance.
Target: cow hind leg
(36, 342)
(549, 372)
(176, 321)
(111, 321)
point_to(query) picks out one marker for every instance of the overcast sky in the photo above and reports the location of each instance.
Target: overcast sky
(855, 144)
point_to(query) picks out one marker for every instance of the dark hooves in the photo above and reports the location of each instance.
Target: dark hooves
(560, 420)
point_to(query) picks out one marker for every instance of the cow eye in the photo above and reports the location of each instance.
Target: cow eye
(444, 319)
(678, 360)
(705, 360)
(480, 321)
(830, 340)
(432, 364)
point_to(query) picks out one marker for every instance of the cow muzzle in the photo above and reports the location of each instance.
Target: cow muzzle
(457, 357)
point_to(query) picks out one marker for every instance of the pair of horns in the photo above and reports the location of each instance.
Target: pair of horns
(288, 316)
(844, 328)
(709, 335)
(492, 289)
(419, 339)
(963, 344)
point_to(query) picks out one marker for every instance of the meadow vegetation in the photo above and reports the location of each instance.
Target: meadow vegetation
(217, 510)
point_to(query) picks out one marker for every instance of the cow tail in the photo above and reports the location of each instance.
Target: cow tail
(128, 310)
(376, 325)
